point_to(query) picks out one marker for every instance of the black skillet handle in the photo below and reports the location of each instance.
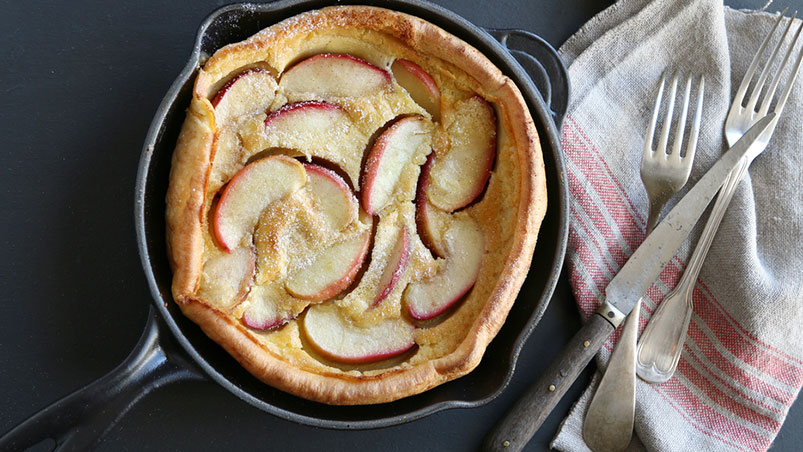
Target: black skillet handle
(543, 64)
(522, 421)
(77, 421)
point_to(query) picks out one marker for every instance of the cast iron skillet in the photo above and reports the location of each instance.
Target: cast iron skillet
(173, 348)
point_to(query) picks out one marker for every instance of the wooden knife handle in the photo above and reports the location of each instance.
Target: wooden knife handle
(520, 424)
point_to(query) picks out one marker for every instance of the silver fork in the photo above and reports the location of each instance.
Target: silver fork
(664, 172)
(609, 420)
(662, 341)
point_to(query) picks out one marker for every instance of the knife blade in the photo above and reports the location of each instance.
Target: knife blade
(519, 425)
(646, 263)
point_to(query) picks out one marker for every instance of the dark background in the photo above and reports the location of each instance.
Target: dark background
(80, 82)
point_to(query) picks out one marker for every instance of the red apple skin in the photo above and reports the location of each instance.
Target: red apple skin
(313, 58)
(271, 324)
(443, 308)
(490, 155)
(218, 234)
(247, 281)
(219, 96)
(487, 166)
(426, 93)
(334, 177)
(399, 267)
(421, 75)
(332, 351)
(301, 106)
(465, 246)
(372, 162)
(326, 172)
(457, 296)
(362, 359)
(422, 207)
(265, 313)
(340, 285)
(216, 217)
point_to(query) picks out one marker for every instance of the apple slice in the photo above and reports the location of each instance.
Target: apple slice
(419, 84)
(251, 91)
(271, 227)
(311, 125)
(227, 278)
(391, 152)
(332, 196)
(336, 338)
(465, 247)
(337, 75)
(249, 192)
(226, 160)
(395, 267)
(303, 116)
(460, 175)
(269, 307)
(265, 316)
(330, 272)
(430, 221)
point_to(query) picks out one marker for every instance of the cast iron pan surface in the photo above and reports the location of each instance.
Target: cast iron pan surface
(174, 348)
(237, 22)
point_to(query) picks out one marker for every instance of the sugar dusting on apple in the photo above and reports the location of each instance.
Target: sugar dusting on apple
(227, 277)
(419, 84)
(331, 271)
(460, 173)
(448, 182)
(430, 221)
(336, 338)
(333, 197)
(388, 157)
(396, 264)
(335, 75)
(269, 307)
(460, 268)
(250, 92)
(249, 192)
(313, 127)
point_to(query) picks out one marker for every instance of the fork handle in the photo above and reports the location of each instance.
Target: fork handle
(661, 342)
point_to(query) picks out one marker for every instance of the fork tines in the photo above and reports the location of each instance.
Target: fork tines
(769, 65)
(677, 142)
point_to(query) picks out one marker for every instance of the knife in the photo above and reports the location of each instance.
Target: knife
(637, 275)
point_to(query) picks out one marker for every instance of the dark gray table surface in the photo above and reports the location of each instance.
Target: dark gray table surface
(80, 83)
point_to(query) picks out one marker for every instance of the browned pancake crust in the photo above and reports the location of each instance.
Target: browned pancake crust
(186, 203)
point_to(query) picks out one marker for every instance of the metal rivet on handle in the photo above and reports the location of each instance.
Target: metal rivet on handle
(506, 444)
(586, 344)
(551, 388)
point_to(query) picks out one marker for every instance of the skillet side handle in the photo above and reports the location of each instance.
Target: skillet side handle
(522, 421)
(544, 66)
(78, 421)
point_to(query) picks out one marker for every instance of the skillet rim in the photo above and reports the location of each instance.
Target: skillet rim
(454, 24)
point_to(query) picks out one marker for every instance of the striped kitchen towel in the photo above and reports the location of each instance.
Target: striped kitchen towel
(742, 363)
